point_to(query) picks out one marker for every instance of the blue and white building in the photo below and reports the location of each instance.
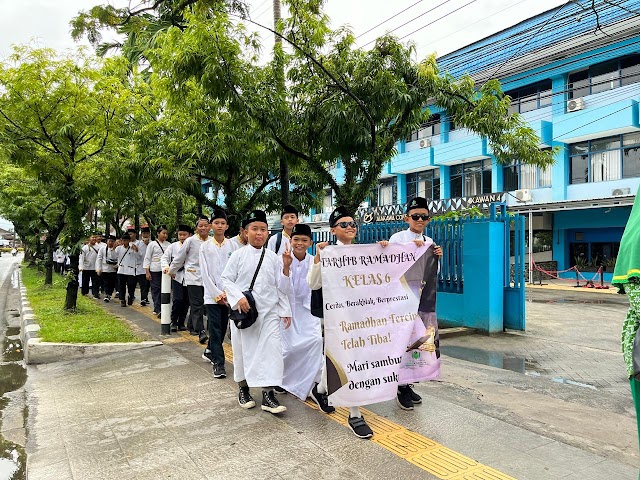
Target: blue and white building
(579, 90)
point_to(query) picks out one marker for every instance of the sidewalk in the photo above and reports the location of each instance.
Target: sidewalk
(159, 413)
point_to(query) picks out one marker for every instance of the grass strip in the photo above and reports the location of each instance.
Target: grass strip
(90, 324)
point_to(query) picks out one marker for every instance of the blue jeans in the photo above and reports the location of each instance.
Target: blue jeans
(217, 319)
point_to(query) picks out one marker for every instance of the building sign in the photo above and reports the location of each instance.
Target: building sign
(395, 213)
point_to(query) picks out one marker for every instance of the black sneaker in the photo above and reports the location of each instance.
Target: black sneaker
(116, 295)
(321, 400)
(270, 403)
(130, 301)
(203, 337)
(404, 397)
(279, 390)
(415, 398)
(182, 328)
(173, 328)
(245, 399)
(219, 371)
(123, 304)
(360, 428)
(144, 303)
(207, 356)
(107, 299)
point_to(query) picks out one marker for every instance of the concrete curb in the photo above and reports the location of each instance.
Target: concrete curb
(37, 351)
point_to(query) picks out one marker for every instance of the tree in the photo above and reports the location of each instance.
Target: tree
(337, 102)
(57, 116)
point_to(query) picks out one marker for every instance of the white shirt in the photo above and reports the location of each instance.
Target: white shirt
(284, 244)
(237, 241)
(167, 258)
(154, 252)
(189, 258)
(127, 260)
(105, 253)
(213, 258)
(88, 257)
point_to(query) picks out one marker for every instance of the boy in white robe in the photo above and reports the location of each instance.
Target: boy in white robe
(417, 216)
(214, 255)
(282, 240)
(302, 344)
(345, 230)
(179, 295)
(153, 267)
(257, 350)
(128, 258)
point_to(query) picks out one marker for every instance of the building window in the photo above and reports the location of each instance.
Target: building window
(428, 129)
(531, 97)
(327, 203)
(424, 184)
(605, 159)
(469, 179)
(605, 76)
(518, 175)
(385, 193)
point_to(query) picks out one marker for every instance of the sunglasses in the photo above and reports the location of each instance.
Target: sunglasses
(346, 224)
(417, 217)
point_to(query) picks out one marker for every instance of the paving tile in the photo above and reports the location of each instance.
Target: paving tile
(53, 471)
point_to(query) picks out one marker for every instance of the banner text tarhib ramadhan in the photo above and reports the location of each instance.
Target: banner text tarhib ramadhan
(366, 260)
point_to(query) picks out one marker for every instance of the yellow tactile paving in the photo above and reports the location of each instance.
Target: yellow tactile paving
(430, 456)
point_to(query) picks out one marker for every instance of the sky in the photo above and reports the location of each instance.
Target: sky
(443, 25)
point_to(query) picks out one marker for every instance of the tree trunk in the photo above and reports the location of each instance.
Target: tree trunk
(48, 263)
(71, 298)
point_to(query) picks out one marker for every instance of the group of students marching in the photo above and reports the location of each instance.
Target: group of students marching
(283, 350)
(116, 266)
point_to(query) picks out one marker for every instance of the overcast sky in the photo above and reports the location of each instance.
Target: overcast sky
(46, 22)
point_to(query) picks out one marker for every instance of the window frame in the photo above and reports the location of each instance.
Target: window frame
(590, 152)
(617, 76)
(415, 178)
(486, 167)
(538, 89)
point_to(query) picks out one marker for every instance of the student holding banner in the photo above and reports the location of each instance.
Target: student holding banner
(257, 349)
(417, 216)
(302, 344)
(345, 229)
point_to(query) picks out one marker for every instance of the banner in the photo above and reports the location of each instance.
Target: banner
(375, 337)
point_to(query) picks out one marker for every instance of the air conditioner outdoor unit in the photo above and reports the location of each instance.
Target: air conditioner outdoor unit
(616, 192)
(425, 142)
(575, 104)
(523, 195)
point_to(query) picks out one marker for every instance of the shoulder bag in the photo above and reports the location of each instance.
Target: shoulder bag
(245, 320)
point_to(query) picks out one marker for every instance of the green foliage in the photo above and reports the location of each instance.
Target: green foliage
(89, 323)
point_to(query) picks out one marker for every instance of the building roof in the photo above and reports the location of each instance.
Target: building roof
(552, 35)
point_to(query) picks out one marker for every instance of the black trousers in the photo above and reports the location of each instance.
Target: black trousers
(179, 303)
(156, 285)
(196, 313)
(217, 320)
(90, 275)
(126, 282)
(109, 282)
(144, 286)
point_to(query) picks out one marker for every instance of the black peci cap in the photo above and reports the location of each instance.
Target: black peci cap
(337, 214)
(218, 213)
(301, 229)
(289, 209)
(417, 202)
(255, 216)
(185, 228)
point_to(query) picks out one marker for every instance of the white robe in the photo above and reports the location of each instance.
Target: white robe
(302, 344)
(257, 350)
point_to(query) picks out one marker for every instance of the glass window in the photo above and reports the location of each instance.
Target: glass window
(578, 148)
(580, 169)
(608, 143)
(327, 203)
(456, 181)
(579, 84)
(546, 97)
(545, 177)
(605, 166)
(472, 179)
(631, 162)
(629, 139)
(510, 177)
(630, 69)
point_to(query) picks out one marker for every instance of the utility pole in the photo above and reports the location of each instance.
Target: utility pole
(284, 167)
